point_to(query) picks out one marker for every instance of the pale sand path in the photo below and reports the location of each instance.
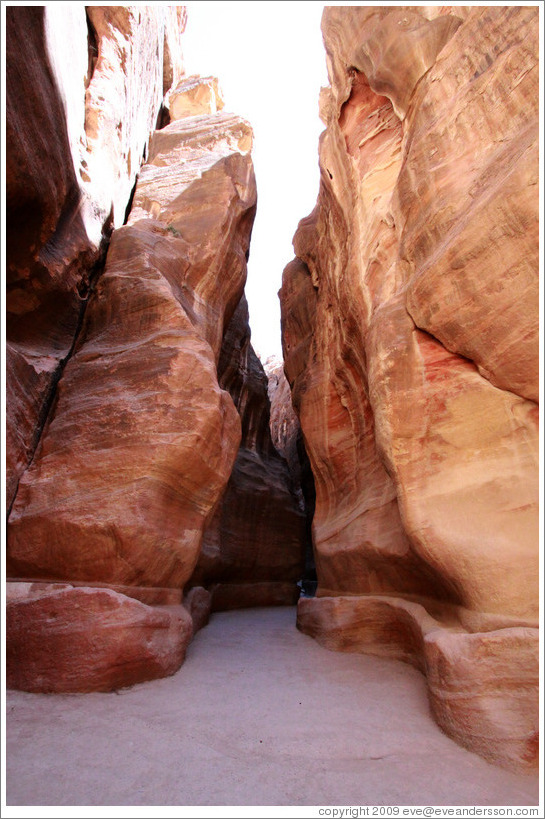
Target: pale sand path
(259, 714)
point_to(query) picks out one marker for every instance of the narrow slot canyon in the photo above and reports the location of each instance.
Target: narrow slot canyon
(240, 578)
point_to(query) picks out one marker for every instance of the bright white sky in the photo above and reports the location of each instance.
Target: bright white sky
(270, 62)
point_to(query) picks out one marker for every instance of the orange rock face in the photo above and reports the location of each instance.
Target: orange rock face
(138, 441)
(410, 333)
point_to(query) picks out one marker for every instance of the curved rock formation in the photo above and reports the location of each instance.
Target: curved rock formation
(124, 441)
(64, 639)
(410, 334)
(142, 440)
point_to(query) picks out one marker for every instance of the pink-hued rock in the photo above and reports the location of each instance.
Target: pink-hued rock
(198, 601)
(138, 59)
(410, 327)
(121, 437)
(142, 441)
(481, 685)
(66, 639)
(48, 255)
(284, 423)
(194, 96)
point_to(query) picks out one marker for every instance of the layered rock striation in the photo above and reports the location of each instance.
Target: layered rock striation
(84, 91)
(134, 440)
(410, 334)
(143, 439)
(288, 439)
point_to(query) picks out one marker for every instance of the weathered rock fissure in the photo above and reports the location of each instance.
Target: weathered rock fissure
(85, 288)
(92, 47)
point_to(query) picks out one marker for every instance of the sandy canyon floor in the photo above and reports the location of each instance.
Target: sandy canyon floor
(259, 714)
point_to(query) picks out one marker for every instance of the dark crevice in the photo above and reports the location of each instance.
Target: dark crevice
(129, 203)
(309, 580)
(65, 228)
(163, 118)
(85, 289)
(92, 48)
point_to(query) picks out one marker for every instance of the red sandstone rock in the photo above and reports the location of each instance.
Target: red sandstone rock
(65, 639)
(48, 254)
(198, 601)
(194, 96)
(284, 423)
(129, 454)
(138, 59)
(143, 439)
(410, 340)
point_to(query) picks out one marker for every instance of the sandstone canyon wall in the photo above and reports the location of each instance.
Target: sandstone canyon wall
(123, 440)
(410, 335)
(83, 92)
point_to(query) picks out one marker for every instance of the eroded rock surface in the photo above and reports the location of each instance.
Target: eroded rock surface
(84, 90)
(194, 96)
(65, 639)
(151, 420)
(410, 333)
(143, 439)
(139, 439)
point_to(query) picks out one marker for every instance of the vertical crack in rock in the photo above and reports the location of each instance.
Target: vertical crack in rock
(86, 287)
(288, 439)
(92, 48)
(74, 125)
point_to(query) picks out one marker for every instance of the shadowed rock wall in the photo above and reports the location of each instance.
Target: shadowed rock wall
(252, 552)
(76, 130)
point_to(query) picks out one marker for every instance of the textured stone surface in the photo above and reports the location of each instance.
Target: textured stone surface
(143, 439)
(138, 58)
(255, 540)
(288, 439)
(410, 327)
(198, 601)
(482, 686)
(83, 93)
(64, 639)
(194, 96)
(284, 423)
(48, 252)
